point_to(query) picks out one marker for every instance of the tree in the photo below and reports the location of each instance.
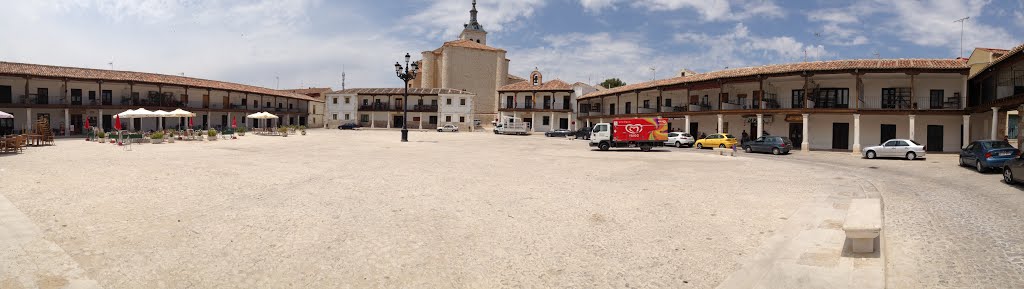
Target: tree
(612, 83)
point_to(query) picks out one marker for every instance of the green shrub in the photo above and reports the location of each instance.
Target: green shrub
(211, 133)
(101, 135)
(282, 129)
(240, 129)
(157, 135)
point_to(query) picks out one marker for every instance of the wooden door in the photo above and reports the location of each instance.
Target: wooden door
(206, 101)
(935, 137)
(888, 133)
(840, 136)
(227, 102)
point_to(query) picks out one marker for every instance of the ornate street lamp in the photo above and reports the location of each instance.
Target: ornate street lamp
(406, 75)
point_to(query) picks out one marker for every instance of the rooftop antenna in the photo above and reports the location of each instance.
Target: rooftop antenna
(818, 36)
(278, 78)
(877, 56)
(962, 21)
(654, 73)
(111, 63)
(343, 77)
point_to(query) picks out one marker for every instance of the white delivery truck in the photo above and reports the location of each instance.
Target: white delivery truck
(511, 125)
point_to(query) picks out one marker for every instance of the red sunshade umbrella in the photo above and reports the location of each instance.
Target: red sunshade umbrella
(87, 123)
(234, 122)
(190, 122)
(117, 122)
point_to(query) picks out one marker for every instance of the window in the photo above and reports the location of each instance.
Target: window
(547, 102)
(509, 101)
(335, 100)
(629, 107)
(43, 95)
(255, 103)
(529, 102)
(289, 106)
(462, 101)
(668, 102)
(76, 96)
(937, 98)
(566, 102)
(647, 103)
(346, 100)
(798, 98)
(833, 98)
(268, 104)
(896, 98)
(334, 116)
(448, 101)
(364, 118)
(280, 105)
(346, 117)
(546, 120)
(433, 102)
(447, 118)
(462, 119)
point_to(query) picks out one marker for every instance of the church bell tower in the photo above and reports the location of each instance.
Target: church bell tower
(473, 30)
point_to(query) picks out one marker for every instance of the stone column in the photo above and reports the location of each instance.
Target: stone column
(533, 121)
(687, 126)
(28, 120)
(421, 121)
(551, 121)
(806, 144)
(760, 125)
(99, 119)
(721, 125)
(995, 122)
(572, 122)
(389, 120)
(856, 134)
(67, 122)
(372, 121)
(913, 124)
(966, 130)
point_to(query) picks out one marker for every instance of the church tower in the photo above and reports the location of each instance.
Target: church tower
(473, 30)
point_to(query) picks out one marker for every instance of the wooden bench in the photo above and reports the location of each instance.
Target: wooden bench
(725, 151)
(863, 224)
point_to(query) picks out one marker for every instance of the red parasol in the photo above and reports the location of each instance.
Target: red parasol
(117, 122)
(234, 122)
(87, 123)
(190, 122)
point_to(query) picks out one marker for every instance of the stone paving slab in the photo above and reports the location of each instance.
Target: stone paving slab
(29, 261)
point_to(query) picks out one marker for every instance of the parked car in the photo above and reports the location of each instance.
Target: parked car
(1011, 168)
(349, 126)
(559, 133)
(721, 140)
(448, 128)
(583, 133)
(680, 139)
(987, 154)
(896, 148)
(769, 144)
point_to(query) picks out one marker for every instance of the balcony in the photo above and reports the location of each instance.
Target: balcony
(424, 108)
(899, 103)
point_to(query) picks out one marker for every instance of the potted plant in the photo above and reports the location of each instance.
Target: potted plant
(171, 138)
(302, 129)
(211, 135)
(156, 137)
(240, 131)
(100, 137)
(283, 131)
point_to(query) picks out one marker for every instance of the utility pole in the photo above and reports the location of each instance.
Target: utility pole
(343, 77)
(962, 21)
(278, 86)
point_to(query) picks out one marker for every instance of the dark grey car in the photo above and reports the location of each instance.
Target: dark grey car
(1013, 170)
(769, 144)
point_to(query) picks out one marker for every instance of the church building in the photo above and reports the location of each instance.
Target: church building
(468, 64)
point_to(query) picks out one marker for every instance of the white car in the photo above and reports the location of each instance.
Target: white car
(895, 148)
(680, 139)
(448, 127)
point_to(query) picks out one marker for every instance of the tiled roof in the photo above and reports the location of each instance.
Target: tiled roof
(400, 91)
(816, 66)
(554, 85)
(996, 50)
(513, 79)
(308, 91)
(470, 44)
(48, 71)
(1006, 55)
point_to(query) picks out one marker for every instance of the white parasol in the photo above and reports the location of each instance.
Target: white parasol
(6, 115)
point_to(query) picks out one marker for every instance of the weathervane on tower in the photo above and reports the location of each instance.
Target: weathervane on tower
(473, 30)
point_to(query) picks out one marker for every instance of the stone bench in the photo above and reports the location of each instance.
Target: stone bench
(725, 151)
(863, 224)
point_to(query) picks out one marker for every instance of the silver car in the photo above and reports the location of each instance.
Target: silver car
(680, 139)
(895, 148)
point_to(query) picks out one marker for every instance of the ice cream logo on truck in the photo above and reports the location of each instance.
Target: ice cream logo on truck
(634, 130)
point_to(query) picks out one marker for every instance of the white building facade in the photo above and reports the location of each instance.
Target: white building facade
(428, 108)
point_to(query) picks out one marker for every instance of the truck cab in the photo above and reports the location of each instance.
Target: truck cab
(600, 132)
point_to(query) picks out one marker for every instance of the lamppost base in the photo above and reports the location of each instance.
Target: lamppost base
(405, 135)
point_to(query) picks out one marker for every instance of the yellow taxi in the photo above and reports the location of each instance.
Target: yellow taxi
(718, 140)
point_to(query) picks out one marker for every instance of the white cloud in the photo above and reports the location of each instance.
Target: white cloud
(629, 56)
(923, 22)
(444, 18)
(709, 10)
(250, 42)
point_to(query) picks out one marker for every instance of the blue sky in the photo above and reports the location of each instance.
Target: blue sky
(308, 42)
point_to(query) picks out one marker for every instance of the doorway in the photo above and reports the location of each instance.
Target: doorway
(76, 124)
(397, 121)
(796, 134)
(695, 129)
(888, 133)
(563, 123)
(840, 136)
(935, 137)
